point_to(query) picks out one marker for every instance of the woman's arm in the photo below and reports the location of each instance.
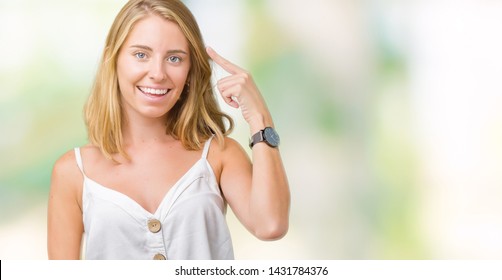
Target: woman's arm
(64, 217)
(258, 192)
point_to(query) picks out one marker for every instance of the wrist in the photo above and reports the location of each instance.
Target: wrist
(258, 123)
(267, 135)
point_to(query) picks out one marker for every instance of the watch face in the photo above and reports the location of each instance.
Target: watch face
(271, 137)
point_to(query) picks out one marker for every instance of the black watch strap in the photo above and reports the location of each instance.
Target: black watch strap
(256, 138)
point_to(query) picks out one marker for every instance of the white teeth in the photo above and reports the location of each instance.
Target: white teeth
(153, 91)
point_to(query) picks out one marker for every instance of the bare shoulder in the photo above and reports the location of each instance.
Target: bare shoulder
(91, 154)
(66, 176)
(225, 154)
(230, 148)
(233, 154)
(66, 164)
(89, 148)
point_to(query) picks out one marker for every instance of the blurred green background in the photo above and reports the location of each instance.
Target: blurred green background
(389, 113)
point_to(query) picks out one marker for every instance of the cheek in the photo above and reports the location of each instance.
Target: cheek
(128, 72)
(123, 82)
(178, 75)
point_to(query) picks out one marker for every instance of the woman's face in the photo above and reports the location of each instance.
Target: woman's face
(152, 67)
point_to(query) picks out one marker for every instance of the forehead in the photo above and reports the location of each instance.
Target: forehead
(157, 33)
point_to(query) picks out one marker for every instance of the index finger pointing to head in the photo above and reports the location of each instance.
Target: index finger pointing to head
(221, 61)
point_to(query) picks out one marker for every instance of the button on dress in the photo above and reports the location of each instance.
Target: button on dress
(188, 224)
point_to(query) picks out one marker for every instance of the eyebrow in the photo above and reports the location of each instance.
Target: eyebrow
(150, 49)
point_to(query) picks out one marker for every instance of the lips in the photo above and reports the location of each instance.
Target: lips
(154, 91)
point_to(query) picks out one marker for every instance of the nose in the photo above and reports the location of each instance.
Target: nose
(157, 71)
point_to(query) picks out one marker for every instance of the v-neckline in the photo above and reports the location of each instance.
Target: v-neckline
(137, 204)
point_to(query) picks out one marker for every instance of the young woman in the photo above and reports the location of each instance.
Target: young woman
(155, 179)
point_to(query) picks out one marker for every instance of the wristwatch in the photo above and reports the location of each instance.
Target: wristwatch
(267, 135)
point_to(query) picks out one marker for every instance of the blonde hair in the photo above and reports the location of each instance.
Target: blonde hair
(194, 118)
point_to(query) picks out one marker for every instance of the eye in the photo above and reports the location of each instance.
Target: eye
(140, 55)
(174, 59)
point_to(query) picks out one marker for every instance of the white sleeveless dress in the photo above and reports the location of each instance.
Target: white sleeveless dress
(188, 224)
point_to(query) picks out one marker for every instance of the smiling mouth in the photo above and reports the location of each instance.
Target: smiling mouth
(154, 91)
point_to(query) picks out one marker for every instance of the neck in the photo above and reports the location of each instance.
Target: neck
(141, 131)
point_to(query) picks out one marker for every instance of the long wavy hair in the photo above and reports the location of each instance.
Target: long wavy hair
(193, 119)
